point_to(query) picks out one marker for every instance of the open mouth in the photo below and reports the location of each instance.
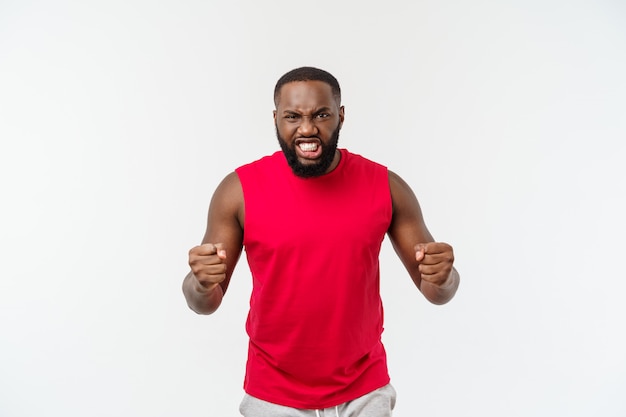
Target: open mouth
(309, 148)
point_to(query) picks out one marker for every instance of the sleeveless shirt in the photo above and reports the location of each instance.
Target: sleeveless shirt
(312, 245)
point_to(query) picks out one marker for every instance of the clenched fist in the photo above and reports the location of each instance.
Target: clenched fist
(435, 261)
(208, 264)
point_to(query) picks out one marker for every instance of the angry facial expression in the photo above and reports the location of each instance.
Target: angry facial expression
(308, 119)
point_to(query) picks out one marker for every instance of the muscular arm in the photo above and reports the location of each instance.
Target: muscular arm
(428, 263)
(213, 262)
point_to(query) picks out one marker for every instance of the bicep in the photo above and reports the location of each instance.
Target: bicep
(225, 220)
(225, 212)
(407, 227)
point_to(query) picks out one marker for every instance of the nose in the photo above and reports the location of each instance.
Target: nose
(307, 127)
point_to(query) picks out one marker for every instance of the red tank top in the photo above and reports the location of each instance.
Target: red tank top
(316, 316)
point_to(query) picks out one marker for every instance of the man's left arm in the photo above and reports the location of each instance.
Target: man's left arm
(429, 263)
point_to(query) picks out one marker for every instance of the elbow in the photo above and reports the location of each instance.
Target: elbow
(202, 310)
(441, 295)
(202, 303)
(438, 301)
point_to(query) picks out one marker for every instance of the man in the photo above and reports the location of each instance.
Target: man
(312, 219)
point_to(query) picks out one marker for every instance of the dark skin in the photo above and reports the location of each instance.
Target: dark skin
(306, 115)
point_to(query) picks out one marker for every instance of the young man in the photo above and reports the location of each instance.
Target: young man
(312, 219)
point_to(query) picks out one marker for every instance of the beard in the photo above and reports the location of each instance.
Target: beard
(316, 169)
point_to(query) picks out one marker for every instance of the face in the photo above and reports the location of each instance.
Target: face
(308, 119)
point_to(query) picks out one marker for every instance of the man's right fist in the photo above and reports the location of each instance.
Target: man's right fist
(208, 264)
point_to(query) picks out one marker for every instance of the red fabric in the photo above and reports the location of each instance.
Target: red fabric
(316, 316)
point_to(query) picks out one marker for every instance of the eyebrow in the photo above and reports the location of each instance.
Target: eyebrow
(320, 110)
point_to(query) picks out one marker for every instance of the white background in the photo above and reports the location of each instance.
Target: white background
(119, 118)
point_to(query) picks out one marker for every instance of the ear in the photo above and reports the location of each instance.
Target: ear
(274, 116)
(342, 112)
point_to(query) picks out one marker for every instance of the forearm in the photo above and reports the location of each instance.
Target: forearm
(200, 299)
(441, 294)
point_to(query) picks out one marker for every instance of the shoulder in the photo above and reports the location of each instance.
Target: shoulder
(359, 166)
(228, 195)
(261, 172)
(396, 182)
(230, 183)
(355, 158)
(265, 162)
(402, 196)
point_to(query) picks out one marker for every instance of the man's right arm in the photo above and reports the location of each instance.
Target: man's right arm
(212, 263)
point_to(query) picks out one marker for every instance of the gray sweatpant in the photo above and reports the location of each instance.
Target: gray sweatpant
(378, 403)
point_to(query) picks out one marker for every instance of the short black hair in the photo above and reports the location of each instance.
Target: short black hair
(308, 74)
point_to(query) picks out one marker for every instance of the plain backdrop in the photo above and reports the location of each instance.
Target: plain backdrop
(119, 118)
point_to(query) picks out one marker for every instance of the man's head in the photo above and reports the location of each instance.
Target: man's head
(308, 118)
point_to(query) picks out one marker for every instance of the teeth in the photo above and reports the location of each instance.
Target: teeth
(308, 147)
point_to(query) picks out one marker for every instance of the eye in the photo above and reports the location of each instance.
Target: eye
(291, 117)
(322, 115)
